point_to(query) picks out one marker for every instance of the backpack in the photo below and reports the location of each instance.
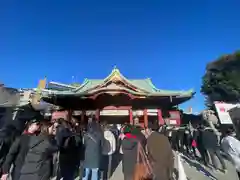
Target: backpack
(109, 143)
(106, 146)
(72, 141)
(73, 145)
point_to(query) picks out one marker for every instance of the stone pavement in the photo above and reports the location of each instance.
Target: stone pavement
(194, 171)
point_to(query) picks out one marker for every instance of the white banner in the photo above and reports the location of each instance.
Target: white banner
(172, 122)
(150, 112)
(114, 112)
(222, 111)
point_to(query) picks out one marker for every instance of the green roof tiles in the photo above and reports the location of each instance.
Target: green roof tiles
(88, 84)
(145, 86)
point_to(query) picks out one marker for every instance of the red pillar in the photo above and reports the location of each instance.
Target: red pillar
(82, 116)
(145, 118)
(130, 116)
(69, 115)
(97, 114)
(160, 119)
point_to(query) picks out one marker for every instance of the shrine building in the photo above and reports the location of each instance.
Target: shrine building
(117, 99)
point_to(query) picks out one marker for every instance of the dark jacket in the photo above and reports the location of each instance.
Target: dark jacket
(16, 156)
(7, 137)
(32, 158)
(200, 141)
(210, 139)
(93, 141)
(187, 137)
(130, 149)
(71, 145)
(195, 135)
(180, 134)
(70, 152)
(38, 163)
(62, 134)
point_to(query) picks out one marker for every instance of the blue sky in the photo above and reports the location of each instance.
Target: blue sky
(169, 41)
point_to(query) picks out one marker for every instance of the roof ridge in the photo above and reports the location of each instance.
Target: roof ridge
(85, 82)
(149, 80)
(95, 79)
(163, 90)
(60, 84)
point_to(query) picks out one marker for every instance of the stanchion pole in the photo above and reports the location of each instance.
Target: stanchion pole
(109, 166)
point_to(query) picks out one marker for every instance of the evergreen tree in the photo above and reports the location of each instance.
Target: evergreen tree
(221, 81)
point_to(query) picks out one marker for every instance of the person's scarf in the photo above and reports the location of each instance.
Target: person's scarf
(30, 133)
(129, 136)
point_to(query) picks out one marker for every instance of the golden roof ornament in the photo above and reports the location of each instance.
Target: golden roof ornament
(116, 75)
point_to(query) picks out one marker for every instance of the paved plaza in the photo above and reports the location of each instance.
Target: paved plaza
(194, 172)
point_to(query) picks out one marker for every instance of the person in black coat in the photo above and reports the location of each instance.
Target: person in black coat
(132, 136)
(187, 140)
(175, 139)
(180, 134)
(71, 156)
(63, 137)
(18, 151)
(7, 137)
(93, 141)
(38, 163)
(70, 143)
(194, 139)
(211, 144)
(32, 156)
(201, 145)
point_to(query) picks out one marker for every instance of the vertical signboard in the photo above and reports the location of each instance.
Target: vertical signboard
(222, 111)
(37, 96)
(174, 118)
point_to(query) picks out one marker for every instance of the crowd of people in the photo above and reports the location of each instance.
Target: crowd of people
(65, 148)
(210, 144)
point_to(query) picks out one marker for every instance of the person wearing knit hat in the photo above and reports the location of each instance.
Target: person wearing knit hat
(33, 126)
(132, 137)
(129, 131)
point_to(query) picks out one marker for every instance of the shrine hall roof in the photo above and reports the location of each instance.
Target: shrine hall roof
(143, 86)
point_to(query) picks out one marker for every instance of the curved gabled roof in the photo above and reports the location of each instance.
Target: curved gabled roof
(134, 86)
(145, 85)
